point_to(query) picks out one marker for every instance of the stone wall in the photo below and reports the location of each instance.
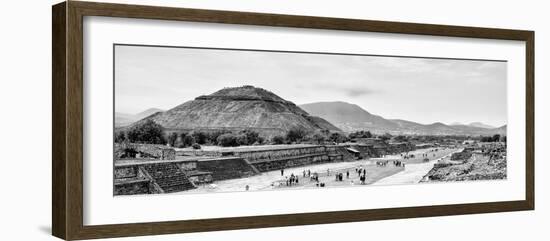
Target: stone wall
(132, 187)
(227, 168)
(132, 150)
(126, 172)
(287, 162)
(276, 154)
(366, 150)
(188, 165)
(199, 177)
(395, 148)
(198, 153)
(130, 180)
(274, 159)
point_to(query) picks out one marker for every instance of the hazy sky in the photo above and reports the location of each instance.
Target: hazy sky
(416, 89)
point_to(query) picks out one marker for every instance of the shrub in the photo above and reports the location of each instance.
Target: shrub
(120, 137)
(242, 139)
(278, 140)
(360, 134)
(196, 146)
(227, 139)
(186, 140)
(147, 132)
(251, 137)
(318, 138)
(172, 139)
(213, 136)
(200, 137)
(337, 137)
(296, 134)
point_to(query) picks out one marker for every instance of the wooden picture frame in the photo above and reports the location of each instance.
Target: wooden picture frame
(67, 119)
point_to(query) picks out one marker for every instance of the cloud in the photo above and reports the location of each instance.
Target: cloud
(357, 92)
(348, 88)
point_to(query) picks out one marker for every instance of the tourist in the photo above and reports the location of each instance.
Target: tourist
(282, 172)
(347, 174)
(247, 187)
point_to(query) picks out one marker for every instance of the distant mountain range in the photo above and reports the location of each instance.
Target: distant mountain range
(474, 124)
(124, 119)
(350, 117)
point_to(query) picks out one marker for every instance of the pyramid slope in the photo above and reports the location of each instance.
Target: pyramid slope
(241, 108)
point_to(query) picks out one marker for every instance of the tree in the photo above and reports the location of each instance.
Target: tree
(227, 139)
(251, 137)
(360, 134)
(496, 138)
(120, 137)
(277, 140)
(186, 140)
(147, 132)
(172, 139)
(296, 134)
(242, 139)
(213, 136)
(200, 137)
(337, 137)
(318, 138)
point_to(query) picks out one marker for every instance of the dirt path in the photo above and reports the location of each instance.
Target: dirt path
(413, 173)
(375, 174)
(265, 180)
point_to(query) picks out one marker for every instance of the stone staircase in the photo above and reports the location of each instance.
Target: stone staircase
(169, 177)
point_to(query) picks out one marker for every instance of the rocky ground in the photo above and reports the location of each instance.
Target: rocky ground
(476, 167)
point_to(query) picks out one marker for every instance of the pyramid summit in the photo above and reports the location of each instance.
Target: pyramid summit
(240, 108)
(246, 92)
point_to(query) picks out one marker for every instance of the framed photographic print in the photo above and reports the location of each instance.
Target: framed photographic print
(170, 120)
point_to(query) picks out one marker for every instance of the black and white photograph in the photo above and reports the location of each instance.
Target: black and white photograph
(209, 120)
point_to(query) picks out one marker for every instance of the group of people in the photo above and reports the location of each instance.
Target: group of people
(362, 172)
(398, 163)
(293, 180)
(382, 163)
(314, 176)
